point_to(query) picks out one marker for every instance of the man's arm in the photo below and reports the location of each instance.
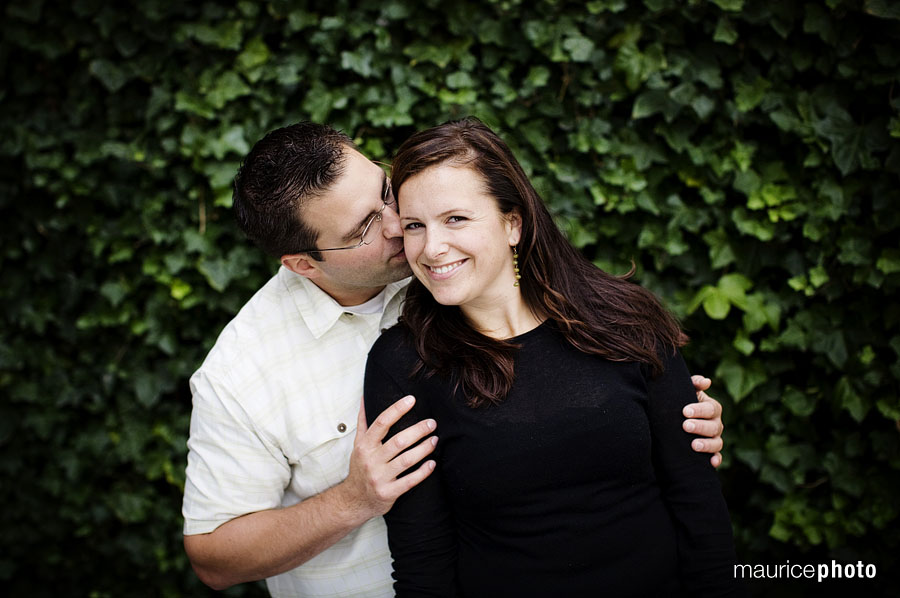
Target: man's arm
(266, 543)
(705, 419)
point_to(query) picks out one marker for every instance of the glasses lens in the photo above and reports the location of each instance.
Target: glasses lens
(372, 230)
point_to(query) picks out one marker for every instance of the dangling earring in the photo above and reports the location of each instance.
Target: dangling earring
(516, 265)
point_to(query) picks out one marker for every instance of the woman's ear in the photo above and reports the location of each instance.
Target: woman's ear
(514, 227)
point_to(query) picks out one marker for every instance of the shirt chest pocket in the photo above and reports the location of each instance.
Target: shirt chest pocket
(322, 459)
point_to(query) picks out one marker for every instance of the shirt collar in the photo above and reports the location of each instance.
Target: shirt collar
(393, 289)
(318, 309)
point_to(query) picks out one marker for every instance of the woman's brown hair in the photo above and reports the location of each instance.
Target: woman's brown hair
(598, 313)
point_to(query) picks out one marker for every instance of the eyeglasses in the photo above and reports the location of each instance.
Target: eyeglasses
(373, 225)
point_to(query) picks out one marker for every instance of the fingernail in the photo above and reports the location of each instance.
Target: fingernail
(408, 401)
(689, 412)
(698, 445)
(434, 441)
(431, 424)
(431, 464)
(689, 426)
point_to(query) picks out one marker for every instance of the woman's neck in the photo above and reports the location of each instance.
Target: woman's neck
(502, 321)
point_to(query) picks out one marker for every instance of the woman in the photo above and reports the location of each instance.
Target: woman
(557, 390)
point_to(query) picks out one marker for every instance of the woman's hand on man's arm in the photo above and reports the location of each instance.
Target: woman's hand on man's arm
(704, 418)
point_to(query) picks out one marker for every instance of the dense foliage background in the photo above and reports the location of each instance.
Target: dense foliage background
(744, 153)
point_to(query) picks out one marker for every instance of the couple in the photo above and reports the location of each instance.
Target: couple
(593, 482)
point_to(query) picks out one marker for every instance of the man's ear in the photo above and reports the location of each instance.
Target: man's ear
(302, 264)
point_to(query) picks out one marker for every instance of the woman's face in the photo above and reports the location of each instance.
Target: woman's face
(458, 243)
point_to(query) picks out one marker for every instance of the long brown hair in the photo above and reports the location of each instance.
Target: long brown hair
(597, 313)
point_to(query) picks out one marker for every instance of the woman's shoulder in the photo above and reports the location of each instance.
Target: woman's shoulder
(394, 346)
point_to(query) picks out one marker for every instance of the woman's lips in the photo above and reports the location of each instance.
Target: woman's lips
(445, 270)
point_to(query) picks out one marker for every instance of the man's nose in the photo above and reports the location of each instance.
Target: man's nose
(390, 222)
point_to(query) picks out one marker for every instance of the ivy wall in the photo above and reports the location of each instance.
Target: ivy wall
(744, 153)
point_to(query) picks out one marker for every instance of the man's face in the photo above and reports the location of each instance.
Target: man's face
(353, 276)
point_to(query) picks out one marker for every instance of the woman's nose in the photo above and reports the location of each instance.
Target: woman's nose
(435, 244)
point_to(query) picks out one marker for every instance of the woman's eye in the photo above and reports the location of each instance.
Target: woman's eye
(456, 219)
(412, 226)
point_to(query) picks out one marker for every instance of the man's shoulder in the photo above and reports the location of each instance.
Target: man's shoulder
(264, 325)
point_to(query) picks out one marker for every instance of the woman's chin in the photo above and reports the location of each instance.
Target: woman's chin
(446, 298)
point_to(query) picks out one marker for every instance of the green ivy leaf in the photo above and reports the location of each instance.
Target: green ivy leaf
(651, 102)
(800, 404)
(359, 62)
(855, 250)
(889, 261)
(301, 19)
(228, 86)
(743, 343)
(740, 378)
(147, 388)
(856, 404)
(226, 35)
(230, 140)
(777, 477)
(735, 286)
(749, 94)
(218, 272)
(114, 291)
(579, 48)
(459, 80)
(762, 229)
(720, 251)
(725, 31)
(599, 6)
(130, 507)
(885, 9)
(537, 76)
(843, 475)
(890, 408)
(818, 20)
(255, 53)
(187, 102)
(730, 5)
(851, 144)
(112, 76)
(751, 456)
(716, 304)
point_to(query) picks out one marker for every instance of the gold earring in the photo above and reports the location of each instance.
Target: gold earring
(516, 265)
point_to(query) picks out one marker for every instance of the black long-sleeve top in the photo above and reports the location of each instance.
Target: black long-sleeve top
(580, 483)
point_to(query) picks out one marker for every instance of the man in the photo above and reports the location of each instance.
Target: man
(280, 484)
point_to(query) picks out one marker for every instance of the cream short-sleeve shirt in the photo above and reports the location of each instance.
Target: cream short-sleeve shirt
(275, 406)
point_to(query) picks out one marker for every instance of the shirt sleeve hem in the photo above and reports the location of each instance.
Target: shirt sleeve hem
(195, 527)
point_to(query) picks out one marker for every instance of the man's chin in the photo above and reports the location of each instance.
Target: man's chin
(400, 255)
(402, 270)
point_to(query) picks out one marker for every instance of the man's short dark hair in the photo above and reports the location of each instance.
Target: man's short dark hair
(283, 171)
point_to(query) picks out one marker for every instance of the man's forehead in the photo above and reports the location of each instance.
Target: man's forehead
(350, 198)
(351, 153)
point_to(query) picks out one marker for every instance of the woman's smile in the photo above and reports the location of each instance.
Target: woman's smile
(442, 272)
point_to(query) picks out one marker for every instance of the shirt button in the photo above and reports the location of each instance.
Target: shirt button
(342, 427)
